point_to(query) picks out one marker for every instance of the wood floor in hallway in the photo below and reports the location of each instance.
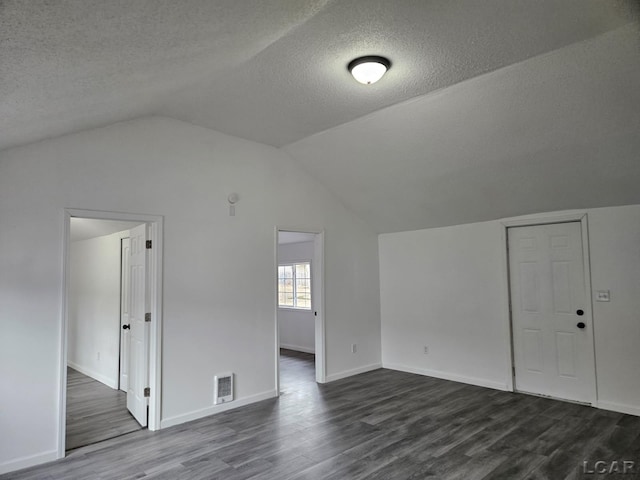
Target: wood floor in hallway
(297, 372)
(95, 412)
(378, 425)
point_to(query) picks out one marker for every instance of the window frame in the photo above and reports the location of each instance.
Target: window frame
(293, 263)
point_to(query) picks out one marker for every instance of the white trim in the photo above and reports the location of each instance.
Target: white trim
(480, 382)
(586, 260)
(506, 301)
(545, 219)
(109, 382)
(215, 409)
(155, 343)
(297, 348)
(318, 279)
(355, 371)
(28, 461)
(276, 352)
(619, 407)
(62, 367)
(155, 224)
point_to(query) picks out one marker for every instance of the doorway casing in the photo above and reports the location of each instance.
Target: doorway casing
(317, 295)
(543, 219)
(155, 234)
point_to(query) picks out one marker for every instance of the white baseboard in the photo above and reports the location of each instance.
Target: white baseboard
(212, 410)
(297, 348)
(619, 407)
(109, 382)
(349, 373)
(29, 461)
(480, 382)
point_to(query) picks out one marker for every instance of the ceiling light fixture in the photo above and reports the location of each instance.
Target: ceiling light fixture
(369, 69)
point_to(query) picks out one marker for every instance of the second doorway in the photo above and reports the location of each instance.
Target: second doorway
(299, 307)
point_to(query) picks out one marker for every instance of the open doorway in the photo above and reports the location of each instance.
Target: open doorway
(97, 344)
(299, 309)
(110, 351)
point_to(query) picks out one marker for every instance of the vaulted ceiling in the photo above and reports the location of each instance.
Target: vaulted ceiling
(491, 108)
(559, 131)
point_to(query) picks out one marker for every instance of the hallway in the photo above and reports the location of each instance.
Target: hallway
(95, 412)
(297, 371)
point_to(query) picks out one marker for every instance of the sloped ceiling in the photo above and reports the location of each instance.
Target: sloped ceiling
(75, 64)
(558, 131)
(273, 71)
(294, 237)
(86, 228)
(491, 108)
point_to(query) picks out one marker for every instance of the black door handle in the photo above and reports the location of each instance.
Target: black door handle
(126, 327)
(580, 313)
(580, 325)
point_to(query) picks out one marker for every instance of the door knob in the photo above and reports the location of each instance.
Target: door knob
(126, 327)
(580, 325)
(580, 313)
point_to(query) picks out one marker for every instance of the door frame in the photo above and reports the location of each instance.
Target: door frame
(155, 224)
(317, 282)
(532, 221)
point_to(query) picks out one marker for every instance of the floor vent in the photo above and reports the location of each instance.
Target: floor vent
(222, 388)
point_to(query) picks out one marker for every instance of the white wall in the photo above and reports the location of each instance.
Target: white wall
(447, 288)
(218, 288)
(614, 236)
(297, 327)
(443, 288)
(93, 333)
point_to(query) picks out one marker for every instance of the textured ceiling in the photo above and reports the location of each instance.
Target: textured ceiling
(558, 131)
(75, 64)
(492, 108)
(267, 70)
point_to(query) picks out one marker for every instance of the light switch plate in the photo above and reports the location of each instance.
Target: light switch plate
(602, 296)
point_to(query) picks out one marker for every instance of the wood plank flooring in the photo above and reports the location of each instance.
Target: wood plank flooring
(95, 412)
(297, 372)
(379, 425)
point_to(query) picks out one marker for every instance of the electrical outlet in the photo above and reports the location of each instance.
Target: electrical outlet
(426, 350)
(354, 348)
(98, 356)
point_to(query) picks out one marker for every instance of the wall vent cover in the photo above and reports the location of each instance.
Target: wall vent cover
(222, 388)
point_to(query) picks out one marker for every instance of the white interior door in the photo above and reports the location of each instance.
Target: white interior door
(124, 314)
(139, 332)
(551, 318)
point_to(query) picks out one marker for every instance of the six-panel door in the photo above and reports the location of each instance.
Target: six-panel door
(552, 336)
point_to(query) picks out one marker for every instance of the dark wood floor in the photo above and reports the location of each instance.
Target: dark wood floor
(378, 425)
(297, 373)
(95, 412)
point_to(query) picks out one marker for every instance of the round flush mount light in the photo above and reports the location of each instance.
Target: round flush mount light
(369, 69)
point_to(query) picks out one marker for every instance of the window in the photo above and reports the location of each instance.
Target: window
(294, 285)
